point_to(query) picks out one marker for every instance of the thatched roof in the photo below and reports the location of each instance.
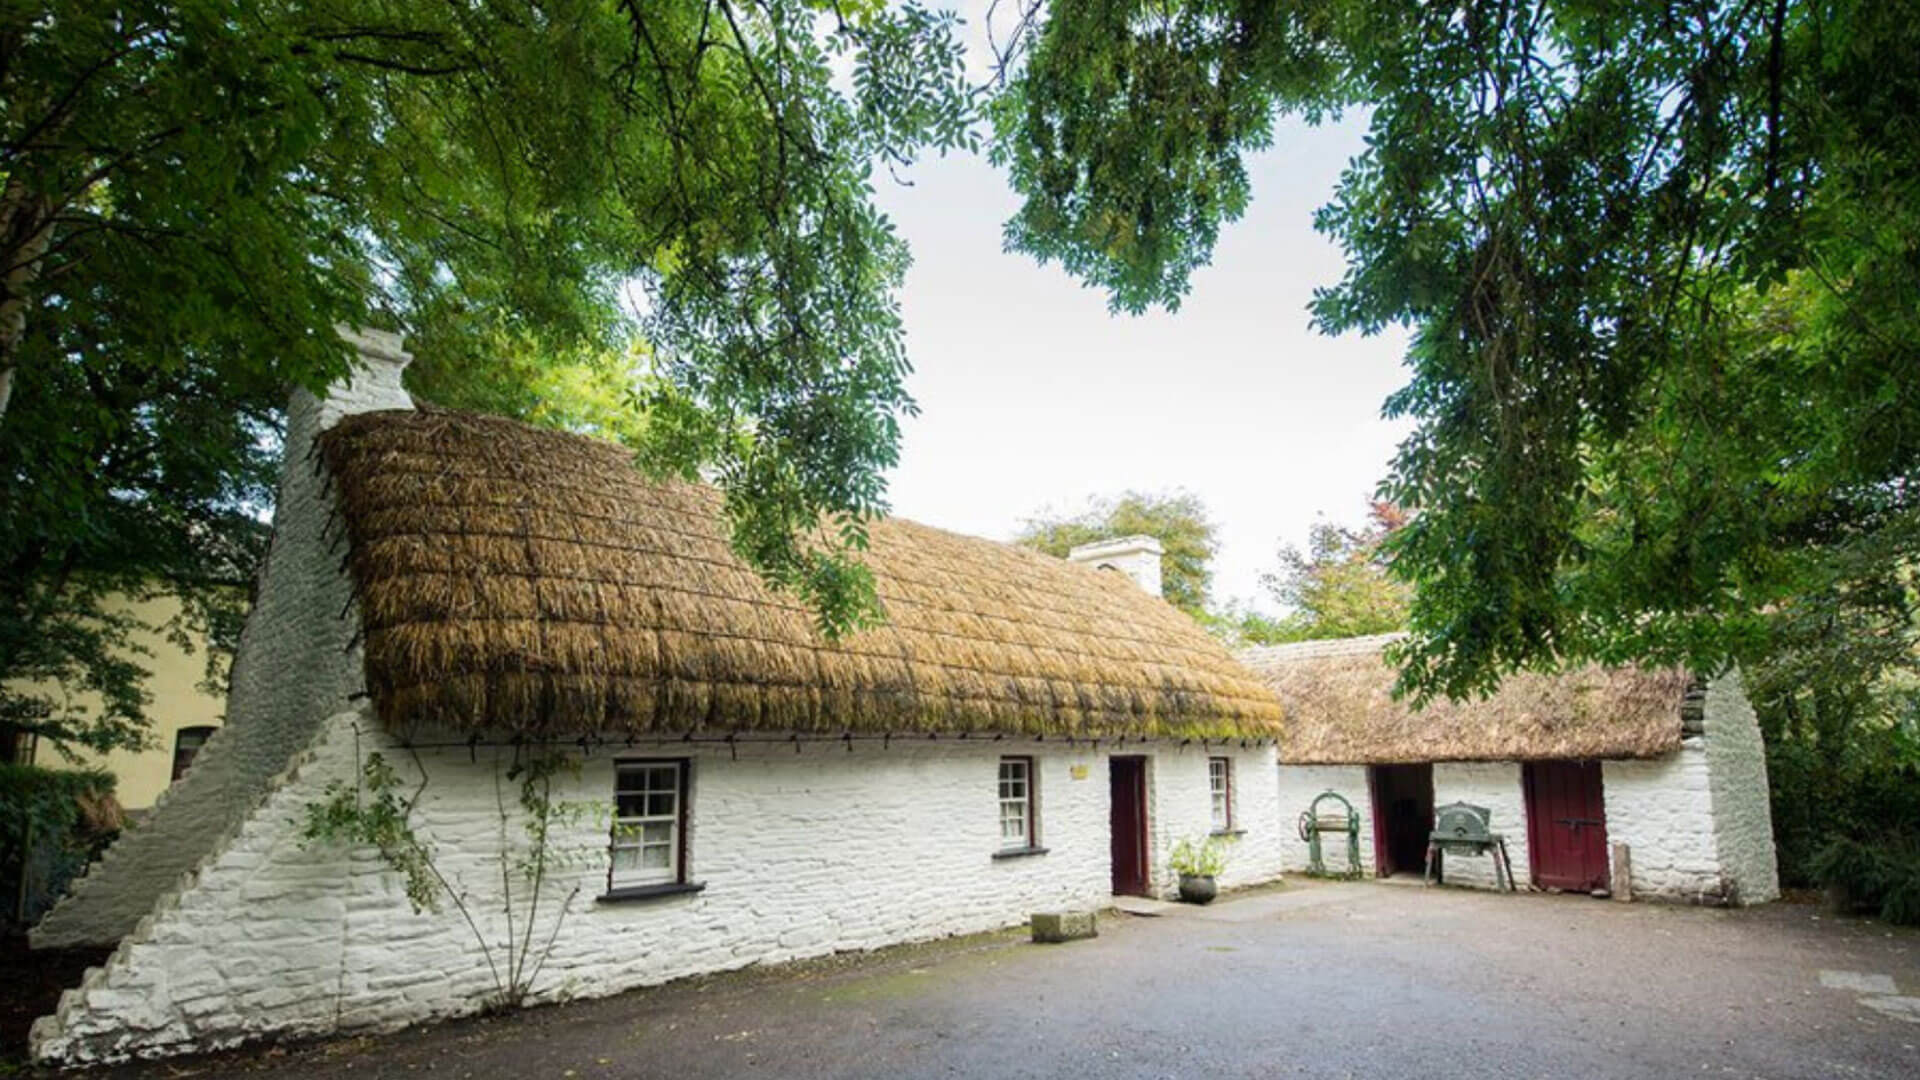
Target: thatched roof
(1340, 710)
(512, 578)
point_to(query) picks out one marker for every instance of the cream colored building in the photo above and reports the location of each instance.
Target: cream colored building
(182, 715)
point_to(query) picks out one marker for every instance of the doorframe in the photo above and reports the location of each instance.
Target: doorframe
(1379, 831)
(1383, 864)
(1142, 823)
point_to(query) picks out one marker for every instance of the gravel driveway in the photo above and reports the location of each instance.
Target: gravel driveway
(1315, 980)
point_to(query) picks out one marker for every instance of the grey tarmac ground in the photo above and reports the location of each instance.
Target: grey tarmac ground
(1307, 980)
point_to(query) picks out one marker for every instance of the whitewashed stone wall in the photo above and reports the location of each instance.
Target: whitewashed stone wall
(1299, 785)
(1698, 822)
(1496, 785)
(1180, 807)
(1742, 812)
(1491, 784)
(292, 669)
(1662, 809)
(801, 854)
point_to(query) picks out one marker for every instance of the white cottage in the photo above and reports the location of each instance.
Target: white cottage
(1587, 773)
(455, 591)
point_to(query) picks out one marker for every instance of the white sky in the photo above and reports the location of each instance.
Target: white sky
(1032, 395)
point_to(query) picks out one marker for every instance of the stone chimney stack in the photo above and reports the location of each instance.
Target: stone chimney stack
(373, 384)
(1138, 557)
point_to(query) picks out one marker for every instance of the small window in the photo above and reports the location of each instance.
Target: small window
(649, 824)
(186, 746)
(1016, 804)
(1220, 784)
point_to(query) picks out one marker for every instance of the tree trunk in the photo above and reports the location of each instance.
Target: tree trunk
(26, 223)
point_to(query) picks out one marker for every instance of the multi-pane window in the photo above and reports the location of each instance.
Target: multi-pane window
(1220, 784)
(1016, 803)
(649, 823)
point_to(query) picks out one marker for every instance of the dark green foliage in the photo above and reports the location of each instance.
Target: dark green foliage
(1125, 129)
(1659, 263)
(194, 192)
(1865, 789)
(1881, 877)
(1188, 538)
(52, 822)
(1838, 699)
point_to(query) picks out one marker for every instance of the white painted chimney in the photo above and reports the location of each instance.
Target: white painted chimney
(1138, 557)
(374, 381)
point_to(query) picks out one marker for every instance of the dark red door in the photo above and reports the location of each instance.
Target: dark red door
(1127, 777)
(1566, 825)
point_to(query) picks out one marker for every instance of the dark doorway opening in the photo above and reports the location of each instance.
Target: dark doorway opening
(1402, 817)
(1127, 819)
(1566, 825)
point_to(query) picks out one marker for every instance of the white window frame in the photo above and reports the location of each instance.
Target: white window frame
(1018, 802)
(630, 830)
(1220, 792)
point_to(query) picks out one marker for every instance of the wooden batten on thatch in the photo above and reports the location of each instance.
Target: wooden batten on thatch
(511, 578)
(1340, 709)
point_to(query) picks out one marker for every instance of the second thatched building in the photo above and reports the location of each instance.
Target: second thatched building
(1638, 779)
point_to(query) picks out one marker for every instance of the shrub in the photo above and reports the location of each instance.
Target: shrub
(1883, 878)
(1856, 787)
(52, 823)
(1205, 859)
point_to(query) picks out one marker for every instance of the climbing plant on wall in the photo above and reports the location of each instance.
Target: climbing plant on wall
(377, 811)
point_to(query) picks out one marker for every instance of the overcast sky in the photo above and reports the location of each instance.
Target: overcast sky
(1032, 395)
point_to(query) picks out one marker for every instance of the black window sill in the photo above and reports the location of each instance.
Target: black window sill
(1019, 852)
(649, 892)
(1228, 832)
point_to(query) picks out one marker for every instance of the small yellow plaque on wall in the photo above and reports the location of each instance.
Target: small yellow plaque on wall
(1079, 772)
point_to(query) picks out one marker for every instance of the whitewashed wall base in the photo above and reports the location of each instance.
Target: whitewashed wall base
(801, 855)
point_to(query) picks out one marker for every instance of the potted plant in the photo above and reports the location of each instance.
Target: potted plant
(1197, 865)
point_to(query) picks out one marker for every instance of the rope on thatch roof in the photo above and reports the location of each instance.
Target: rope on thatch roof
(521, 579)
(1340, 709)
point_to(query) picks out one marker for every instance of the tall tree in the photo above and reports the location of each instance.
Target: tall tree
(1340, 585)
(194, 192)
(1659, 261)
(1188, 538)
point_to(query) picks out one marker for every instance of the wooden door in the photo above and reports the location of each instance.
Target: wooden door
(1127, 818)
(1566, 825)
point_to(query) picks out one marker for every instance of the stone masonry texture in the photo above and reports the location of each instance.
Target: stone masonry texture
(1742, 812)
(1299, 786)
(800, 854)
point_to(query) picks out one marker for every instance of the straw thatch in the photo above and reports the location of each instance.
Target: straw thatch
(511, 578)
(1340, 709)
